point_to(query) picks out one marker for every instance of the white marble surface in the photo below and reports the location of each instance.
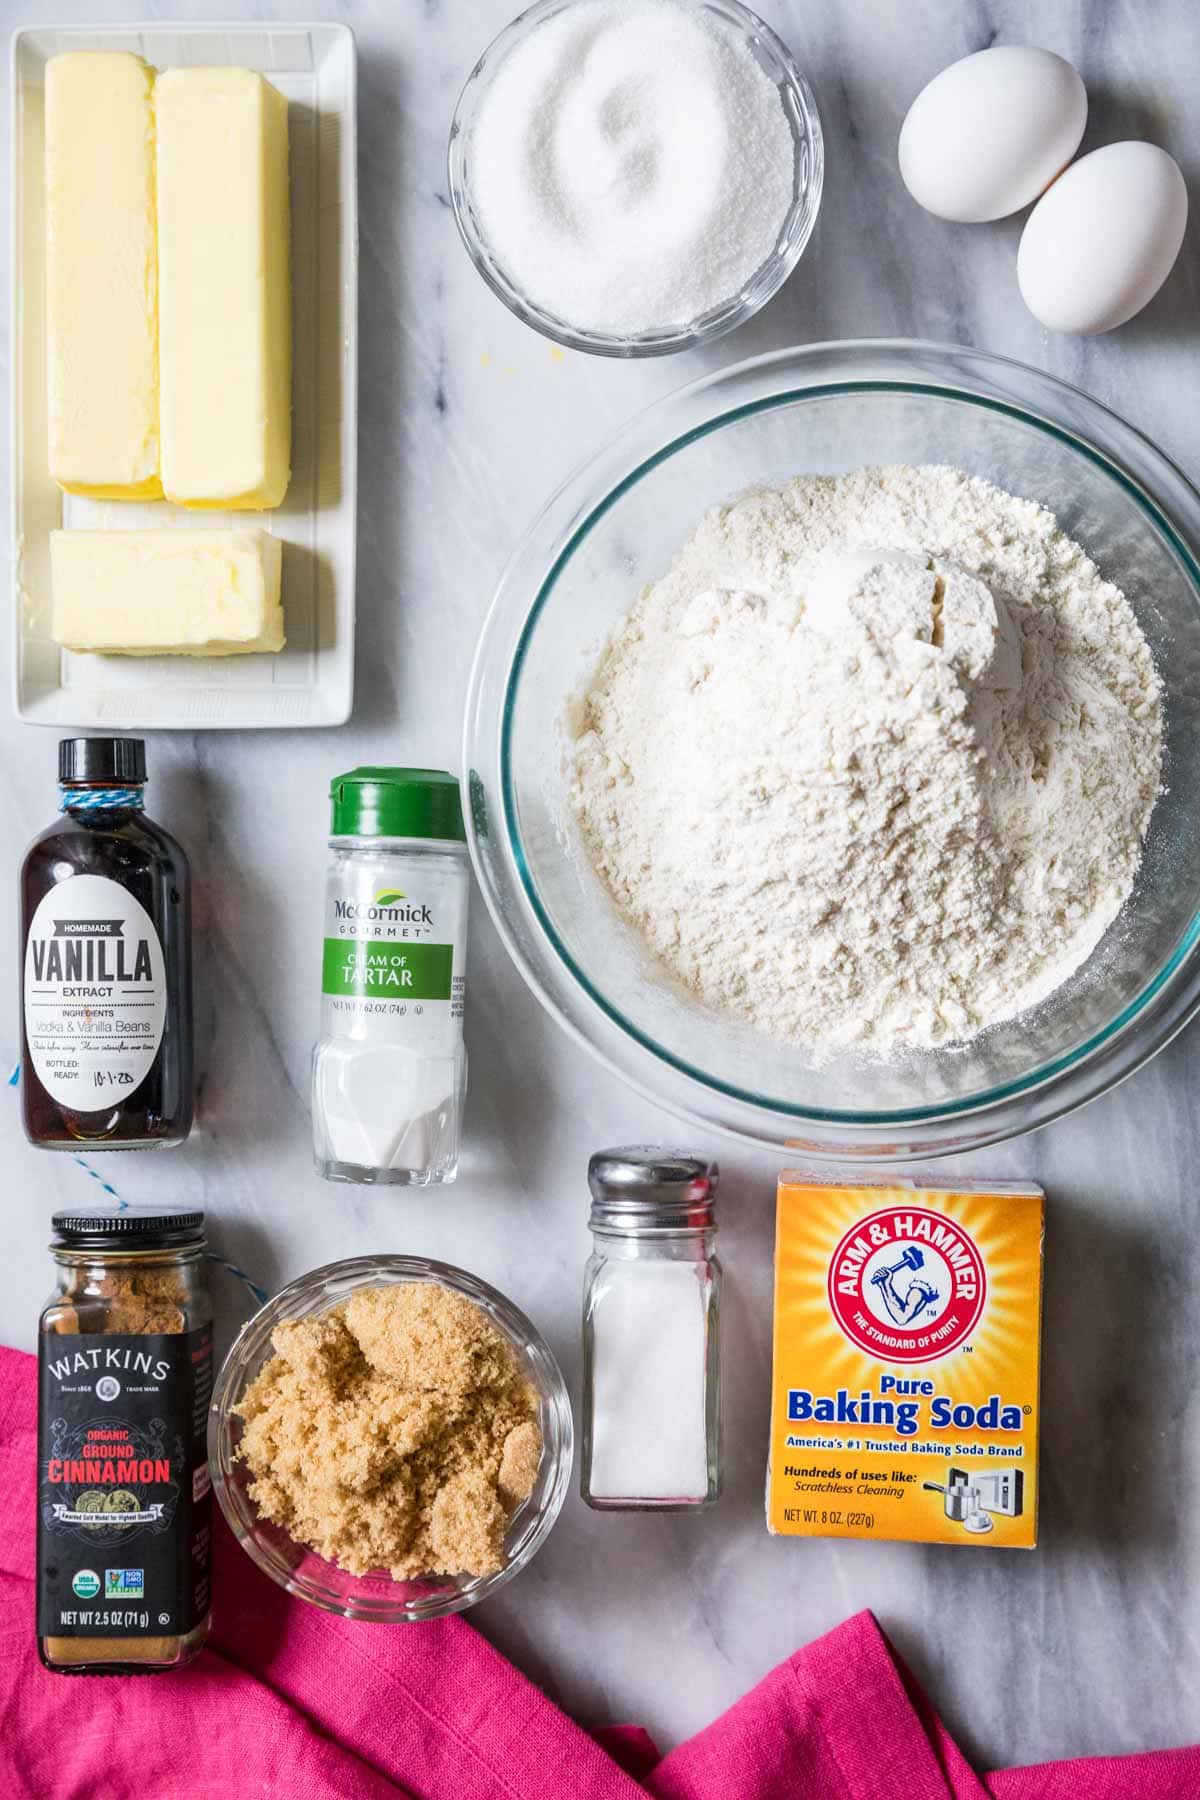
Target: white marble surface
(467, 422)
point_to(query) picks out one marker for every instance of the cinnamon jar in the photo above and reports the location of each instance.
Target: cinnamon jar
(125, 1372)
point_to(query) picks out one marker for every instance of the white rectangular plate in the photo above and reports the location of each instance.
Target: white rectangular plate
(312, 681)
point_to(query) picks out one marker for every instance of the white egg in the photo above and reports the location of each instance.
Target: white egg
(991, 132)
(1100, 243)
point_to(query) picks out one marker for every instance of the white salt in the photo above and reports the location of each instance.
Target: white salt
(632, 165)
(649, 1434)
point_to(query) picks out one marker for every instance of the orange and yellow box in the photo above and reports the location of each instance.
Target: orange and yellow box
(906, 1362)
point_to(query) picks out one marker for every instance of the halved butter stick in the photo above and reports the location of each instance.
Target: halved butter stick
(166, 593)
(101, 349)
(224, 291)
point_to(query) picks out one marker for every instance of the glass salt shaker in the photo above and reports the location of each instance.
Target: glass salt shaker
(651, 1394)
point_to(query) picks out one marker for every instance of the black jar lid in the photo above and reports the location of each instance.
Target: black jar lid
(134, 1228)
(108, 759)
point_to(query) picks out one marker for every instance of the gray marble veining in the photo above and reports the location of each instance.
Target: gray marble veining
(467, 421)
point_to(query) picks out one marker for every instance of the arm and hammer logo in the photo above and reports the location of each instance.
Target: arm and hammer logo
(906, 1284)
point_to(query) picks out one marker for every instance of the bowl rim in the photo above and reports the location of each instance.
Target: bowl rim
(799, 222)
(385, 1270)
(955, 373)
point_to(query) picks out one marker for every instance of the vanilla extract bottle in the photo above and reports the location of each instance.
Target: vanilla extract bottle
(106, 979)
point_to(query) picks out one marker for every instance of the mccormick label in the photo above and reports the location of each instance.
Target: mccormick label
(393, 966)
(123, 1490)
(906, 1363)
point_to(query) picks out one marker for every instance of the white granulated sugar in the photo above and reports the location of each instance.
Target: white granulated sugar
(649, 1432)
(873, 762)
(631, 165)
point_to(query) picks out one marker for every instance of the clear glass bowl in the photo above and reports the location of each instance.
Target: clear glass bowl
(808, 175)
(377, 1597)
(616, 524)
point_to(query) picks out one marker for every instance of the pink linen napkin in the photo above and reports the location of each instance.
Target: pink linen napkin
(286, 1700)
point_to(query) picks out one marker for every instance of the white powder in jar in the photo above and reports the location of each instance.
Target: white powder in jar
(649, 1430)
(873, 762)
(631, 165)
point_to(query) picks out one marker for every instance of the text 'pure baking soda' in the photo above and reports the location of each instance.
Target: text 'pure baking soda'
(905, 1388)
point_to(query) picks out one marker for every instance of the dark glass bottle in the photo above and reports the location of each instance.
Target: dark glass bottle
(106, 967)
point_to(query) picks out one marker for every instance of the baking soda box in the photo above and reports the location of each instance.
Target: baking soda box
(905, 1387)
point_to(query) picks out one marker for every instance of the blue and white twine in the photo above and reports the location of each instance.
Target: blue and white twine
(122, 1205)
(109, 799)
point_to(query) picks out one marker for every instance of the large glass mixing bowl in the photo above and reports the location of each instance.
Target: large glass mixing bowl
(615, 525)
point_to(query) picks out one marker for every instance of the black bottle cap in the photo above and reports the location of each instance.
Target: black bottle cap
(114, 761)
(136, 1228)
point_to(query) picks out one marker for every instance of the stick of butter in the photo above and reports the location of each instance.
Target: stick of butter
(166, 593)
(102, 353)
(224, 296)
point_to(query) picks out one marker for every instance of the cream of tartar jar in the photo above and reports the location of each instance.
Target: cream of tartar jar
(390, 1067)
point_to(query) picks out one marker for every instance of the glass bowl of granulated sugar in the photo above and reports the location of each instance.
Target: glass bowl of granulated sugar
(634, 177)
(832, 746)
(390, 1439)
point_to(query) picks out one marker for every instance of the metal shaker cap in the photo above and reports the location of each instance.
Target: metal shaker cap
(642, 1187)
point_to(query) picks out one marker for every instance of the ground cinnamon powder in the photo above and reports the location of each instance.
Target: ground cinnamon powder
(395, 1431)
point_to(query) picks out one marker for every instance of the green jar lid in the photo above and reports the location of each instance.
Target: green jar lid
(418, 803)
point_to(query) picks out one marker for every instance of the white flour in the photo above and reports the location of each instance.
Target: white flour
(873, 762)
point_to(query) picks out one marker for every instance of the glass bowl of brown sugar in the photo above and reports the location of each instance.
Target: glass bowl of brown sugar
(390, 1439)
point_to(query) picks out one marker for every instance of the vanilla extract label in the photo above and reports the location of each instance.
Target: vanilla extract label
(80, 953)
(95, 993)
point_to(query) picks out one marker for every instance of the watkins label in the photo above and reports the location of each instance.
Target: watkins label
(123, 1490)
(95, 993)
